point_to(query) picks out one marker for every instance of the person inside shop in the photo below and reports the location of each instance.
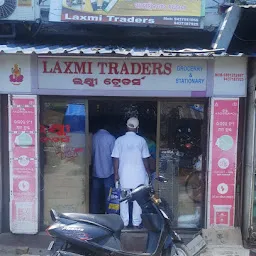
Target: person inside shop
(131, 167)
(103, 171)
(152, 151)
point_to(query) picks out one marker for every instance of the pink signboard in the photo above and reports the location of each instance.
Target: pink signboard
(23, 213)
(24, 188)
(23, 149)
(22, 119)
(23, 143)
(23, 101)
(223, 161)
(23, 165)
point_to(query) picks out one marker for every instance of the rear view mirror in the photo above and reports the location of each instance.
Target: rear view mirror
(161, 179)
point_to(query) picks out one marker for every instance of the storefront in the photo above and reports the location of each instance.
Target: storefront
(188, 106)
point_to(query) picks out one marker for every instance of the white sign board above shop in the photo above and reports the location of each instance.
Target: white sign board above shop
(230, 76)
(142, 77)
(96, 76)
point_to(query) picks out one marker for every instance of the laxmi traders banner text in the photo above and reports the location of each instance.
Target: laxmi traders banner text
(182, 13)
(115, 74)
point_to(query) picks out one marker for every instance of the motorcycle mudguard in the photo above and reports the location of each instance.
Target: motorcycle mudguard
(175, 237)
(168, 242)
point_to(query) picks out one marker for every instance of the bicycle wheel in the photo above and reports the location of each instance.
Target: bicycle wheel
(193, 186)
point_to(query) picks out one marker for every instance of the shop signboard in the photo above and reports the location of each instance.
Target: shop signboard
(23, 154)
(91, 76)
(15, 73)
(183, 13)
(223, 161)
(230, 76)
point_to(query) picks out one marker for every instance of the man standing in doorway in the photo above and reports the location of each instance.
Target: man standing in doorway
(103, 172)
(152, 151)
(131, 167)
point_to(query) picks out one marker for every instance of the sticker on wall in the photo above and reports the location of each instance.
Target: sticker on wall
(225, 142)
(23, 166)
(24, 186)
(22, 144)
(222, 215)
(222, 188)
(223, 161)
(15, 71)
(23, 160)
(23, 155)
(16, 77)
(24, 140)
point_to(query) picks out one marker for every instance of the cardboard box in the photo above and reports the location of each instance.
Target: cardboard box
(53, 117)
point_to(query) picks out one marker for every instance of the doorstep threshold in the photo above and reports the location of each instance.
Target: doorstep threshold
(134, 230)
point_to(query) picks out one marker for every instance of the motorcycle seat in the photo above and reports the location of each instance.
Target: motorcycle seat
(110, 221)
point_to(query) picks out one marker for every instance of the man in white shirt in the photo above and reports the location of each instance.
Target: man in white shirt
(131, 167)
(103, 172)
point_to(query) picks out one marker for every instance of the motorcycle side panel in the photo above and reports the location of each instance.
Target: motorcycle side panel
(152, 222)
(82, 234)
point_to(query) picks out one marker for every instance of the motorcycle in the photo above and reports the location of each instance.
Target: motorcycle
(99, 234)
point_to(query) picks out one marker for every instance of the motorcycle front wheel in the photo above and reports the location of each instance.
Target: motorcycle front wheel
(181, 249)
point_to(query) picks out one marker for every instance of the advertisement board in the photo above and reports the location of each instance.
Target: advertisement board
(23, 158)
(230, 77)
(223, 161)
(183, 13)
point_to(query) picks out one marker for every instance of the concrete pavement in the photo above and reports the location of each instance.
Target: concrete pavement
(11, 244)
(36, 245)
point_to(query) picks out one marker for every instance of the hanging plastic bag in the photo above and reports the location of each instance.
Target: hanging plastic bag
(113, 200)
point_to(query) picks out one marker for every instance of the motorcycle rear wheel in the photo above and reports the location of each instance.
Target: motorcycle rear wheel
(181, 249)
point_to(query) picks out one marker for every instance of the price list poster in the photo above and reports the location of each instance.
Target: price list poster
(223, 161)
(23, 161)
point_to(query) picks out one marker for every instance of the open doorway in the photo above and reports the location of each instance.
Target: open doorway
(114, 115)
(179, 131)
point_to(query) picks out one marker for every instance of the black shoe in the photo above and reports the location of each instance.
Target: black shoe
(128, 226)
(138, 227)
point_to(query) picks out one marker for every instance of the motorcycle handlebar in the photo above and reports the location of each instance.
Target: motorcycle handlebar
(159, 178)
(125, 199)
(129, 196)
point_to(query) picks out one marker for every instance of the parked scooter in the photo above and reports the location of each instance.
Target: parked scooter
(91, 235)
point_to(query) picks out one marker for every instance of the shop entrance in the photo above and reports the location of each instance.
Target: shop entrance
(178, 128)
(112, 115)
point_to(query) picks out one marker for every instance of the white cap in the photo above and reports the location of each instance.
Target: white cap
(133, 123)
